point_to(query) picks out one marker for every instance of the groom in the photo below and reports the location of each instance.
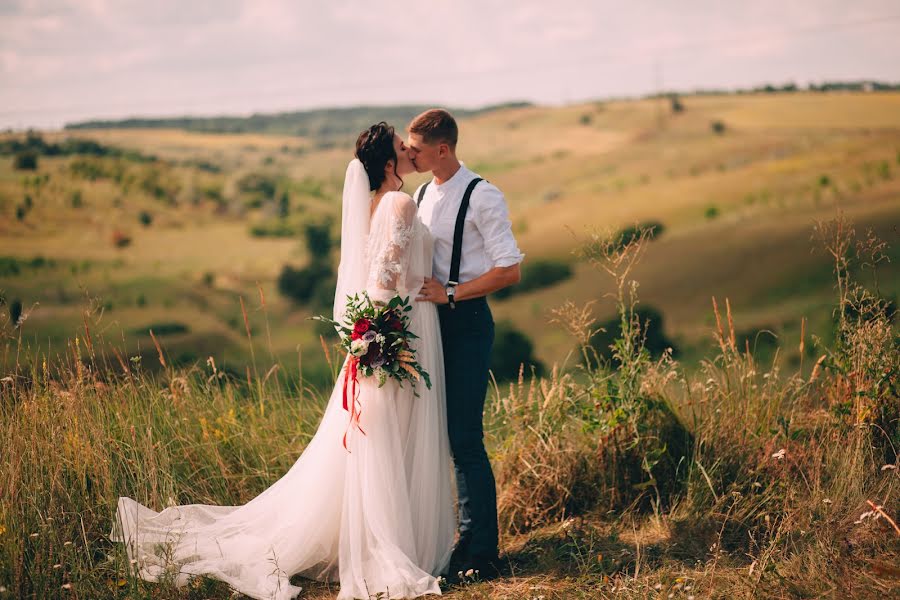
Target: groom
(475, 254)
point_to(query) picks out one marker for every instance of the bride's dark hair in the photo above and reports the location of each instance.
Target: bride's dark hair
(374, 148)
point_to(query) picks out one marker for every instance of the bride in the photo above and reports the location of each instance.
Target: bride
(376, 516)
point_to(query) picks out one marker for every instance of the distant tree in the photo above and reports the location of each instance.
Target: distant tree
(318, 238)
(585, 119)
(26, 160)
(718, 127)
(300, 285)
(145, 218)
(677, 106)
(512, 348)
(21, 211)
(15, 312)
(284, 205)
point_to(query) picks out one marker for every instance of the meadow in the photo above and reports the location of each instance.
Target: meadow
(757, 460)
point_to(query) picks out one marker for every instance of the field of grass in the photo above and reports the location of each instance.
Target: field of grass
(726, 473)
(649, 480)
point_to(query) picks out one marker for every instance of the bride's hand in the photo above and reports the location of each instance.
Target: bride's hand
(433, 291)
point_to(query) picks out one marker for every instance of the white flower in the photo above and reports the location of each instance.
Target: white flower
(67, 586)
(380, 339)
(470, 572)
(826, 500)
(779, 455)
(359, 347)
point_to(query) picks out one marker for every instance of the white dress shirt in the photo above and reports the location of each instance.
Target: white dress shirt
(487, 241)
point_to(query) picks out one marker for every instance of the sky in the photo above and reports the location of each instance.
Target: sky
(68, 60)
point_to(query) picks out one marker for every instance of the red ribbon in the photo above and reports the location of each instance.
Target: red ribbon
(355, 408)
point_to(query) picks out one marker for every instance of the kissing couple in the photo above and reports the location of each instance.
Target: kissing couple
(377, 512)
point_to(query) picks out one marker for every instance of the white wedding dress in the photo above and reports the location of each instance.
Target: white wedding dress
(377, 518)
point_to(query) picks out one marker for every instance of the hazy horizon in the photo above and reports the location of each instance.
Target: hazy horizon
(63, 61)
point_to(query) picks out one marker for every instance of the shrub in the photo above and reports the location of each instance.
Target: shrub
(75, 199)
(15, 312)
(718, 127)
(711, 212)
(824, 181)
(28, 202)
(538, 274)
(163, 328)
(585, 119)
(273, 229)
(25, 161)
(145, 218)
(675, 101)
(258, 185)
(512, 349)
(318, 238)
(120, 239)
(21, 211)
(301, 284)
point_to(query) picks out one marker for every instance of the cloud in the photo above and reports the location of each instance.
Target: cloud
(63, 59)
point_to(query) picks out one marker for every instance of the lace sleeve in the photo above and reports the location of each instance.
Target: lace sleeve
(389, 247)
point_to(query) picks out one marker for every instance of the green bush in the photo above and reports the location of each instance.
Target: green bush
(145, 218)
(273, 229)
(718, 127)
(512, 348)
(163, 328)
(711, 212)
(25, 161)
(538, 274)
(76, 199)
(300, 285)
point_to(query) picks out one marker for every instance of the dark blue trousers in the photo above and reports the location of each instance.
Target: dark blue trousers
(467, 332)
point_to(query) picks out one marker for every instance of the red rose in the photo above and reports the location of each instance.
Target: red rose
(359, 328)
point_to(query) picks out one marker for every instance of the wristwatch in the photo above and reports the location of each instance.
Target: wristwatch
(451, 291)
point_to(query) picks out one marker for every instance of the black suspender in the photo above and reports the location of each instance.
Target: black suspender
(458, 231)
(421, 193)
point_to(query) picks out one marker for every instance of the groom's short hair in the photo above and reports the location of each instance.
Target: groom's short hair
(436, 125)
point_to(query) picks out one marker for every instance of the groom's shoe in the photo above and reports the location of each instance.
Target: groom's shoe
(486, 567)
(459, 560)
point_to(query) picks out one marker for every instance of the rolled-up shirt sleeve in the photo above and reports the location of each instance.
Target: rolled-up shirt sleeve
(492, 221)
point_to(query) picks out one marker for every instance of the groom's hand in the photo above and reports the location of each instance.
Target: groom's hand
(433, 291)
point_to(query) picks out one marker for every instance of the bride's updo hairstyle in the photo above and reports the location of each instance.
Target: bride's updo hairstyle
(374, 148)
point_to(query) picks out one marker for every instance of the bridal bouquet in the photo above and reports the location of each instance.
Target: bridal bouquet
(376, 337)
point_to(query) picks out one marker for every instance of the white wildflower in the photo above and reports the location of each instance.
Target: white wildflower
(470, 572)
(826, 500)
(780, 454)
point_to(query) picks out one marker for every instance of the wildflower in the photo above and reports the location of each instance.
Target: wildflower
(470, 572)
(826, 500)
(658, 586)
(57, 566)
(888, 467)
(780, 454)
(67, 586)
(34, 535)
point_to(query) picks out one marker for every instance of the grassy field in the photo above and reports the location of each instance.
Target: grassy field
(722, 474)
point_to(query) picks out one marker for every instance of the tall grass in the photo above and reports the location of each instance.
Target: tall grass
(635, 481)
